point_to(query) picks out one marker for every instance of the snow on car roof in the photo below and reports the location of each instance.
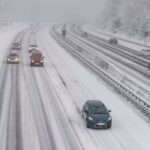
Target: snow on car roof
(36, 51)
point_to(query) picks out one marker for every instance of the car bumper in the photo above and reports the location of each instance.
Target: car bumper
(37, 64)
(12, 62)
(99, 125)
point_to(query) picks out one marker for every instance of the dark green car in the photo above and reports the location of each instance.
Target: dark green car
(96, 115)
(113, 41)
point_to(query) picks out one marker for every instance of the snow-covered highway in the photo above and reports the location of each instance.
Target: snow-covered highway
(40, 107)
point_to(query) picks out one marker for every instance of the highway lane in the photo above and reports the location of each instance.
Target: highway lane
(14, 125)
(10, 103)
(42, 106)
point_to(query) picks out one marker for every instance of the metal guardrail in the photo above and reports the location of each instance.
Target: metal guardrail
(138, 53)
(71, 48)
(118, 49)
(122, 39)
(143, 71)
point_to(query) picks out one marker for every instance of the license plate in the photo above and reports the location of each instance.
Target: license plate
(100, 124)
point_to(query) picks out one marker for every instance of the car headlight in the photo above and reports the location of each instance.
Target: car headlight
(91, 119)
(109, 118)
(16, 59)
(8, 59)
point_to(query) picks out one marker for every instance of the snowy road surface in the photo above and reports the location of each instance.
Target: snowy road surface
(40, 107)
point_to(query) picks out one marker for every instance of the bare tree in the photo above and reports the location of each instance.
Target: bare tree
(131, 16)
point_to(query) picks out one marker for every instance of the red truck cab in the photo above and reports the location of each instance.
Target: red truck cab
(37, 59)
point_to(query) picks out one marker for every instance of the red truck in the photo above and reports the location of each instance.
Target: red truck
(37, 59)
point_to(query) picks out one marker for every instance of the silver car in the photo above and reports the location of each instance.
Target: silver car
(13, 58)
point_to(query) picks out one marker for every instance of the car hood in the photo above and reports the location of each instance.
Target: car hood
(100, 117)
(12, 57)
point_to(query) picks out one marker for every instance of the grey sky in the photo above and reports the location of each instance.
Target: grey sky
(51, 9)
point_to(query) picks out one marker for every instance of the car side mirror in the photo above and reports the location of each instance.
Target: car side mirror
(109, 110)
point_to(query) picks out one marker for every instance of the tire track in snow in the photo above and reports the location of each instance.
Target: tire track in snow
(14, 127)
(66, 86)
(4, 71)
(69, 136)
(43, 127)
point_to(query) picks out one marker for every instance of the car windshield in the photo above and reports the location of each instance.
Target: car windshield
(98, 109)
(36, 55)
(12, 54)
(16, 44)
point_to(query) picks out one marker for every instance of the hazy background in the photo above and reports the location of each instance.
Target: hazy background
(128, 16)
(45, 10)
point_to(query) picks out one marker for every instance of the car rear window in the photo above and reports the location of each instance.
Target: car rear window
(98, 109)
(38, 55)
(12, 54)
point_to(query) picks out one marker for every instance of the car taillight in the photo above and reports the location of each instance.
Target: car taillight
(32, 60)
(41, 61)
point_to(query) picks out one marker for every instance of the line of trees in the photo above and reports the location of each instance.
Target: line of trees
(130, 16)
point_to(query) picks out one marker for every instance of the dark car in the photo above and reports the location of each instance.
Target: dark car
(113, 41)
(16, 46)
(13, 58)
(149, 66)
(84, 34)
(36, 58)
(96, 115)
(64, 32)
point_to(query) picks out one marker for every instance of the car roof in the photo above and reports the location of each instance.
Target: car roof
(13, 54)
(33, 45)
(94, 103)
(36, 51)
